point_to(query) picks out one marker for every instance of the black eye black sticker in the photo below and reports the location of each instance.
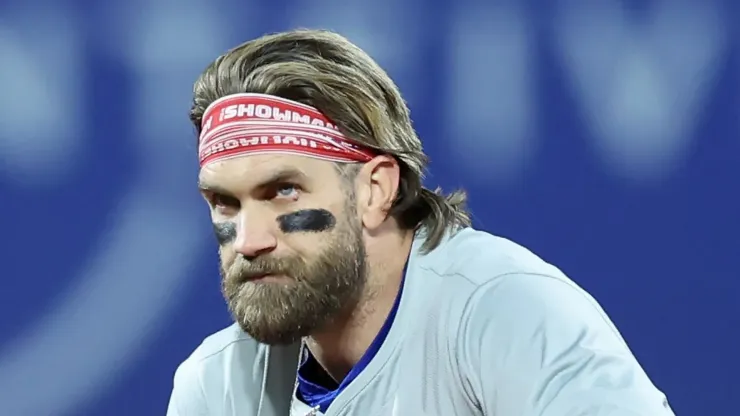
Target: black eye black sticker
(225, 232)
(306, 220)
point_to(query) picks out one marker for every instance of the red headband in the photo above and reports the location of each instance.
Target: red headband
(243, 124)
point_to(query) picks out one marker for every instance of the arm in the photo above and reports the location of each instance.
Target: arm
(535, 345)
(187, 397)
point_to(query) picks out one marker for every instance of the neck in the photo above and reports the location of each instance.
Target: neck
(339, 346)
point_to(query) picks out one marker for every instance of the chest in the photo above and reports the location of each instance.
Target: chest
(420, 378)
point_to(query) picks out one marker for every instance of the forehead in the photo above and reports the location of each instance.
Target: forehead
(246, 172)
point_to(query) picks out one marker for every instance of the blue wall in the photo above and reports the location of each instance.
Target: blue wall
(606, 138)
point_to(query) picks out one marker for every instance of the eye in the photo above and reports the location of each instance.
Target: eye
(286, 190)
(223, 202)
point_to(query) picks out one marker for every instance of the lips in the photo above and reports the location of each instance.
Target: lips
(251, 277)
(260, 276)
(254, 277)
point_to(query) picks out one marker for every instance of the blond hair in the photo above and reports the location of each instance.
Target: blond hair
(325, 70)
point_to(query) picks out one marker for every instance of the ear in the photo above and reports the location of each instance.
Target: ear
(378, 185)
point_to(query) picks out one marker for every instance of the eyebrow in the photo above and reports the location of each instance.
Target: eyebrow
(207, 187)
(287, 174)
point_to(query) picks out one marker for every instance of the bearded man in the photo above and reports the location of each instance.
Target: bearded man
(354, 289)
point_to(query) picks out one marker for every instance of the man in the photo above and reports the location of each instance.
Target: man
(355, 290)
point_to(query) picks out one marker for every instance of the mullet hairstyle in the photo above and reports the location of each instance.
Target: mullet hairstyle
(326, 71)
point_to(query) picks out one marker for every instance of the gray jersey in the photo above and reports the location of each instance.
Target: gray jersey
(484, 327)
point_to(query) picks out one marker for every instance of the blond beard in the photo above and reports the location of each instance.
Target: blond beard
(319, 289)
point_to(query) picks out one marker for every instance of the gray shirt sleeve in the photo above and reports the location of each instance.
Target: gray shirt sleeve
(187, 397)
(535, 345)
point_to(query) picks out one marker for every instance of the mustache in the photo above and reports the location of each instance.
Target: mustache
(244, 270)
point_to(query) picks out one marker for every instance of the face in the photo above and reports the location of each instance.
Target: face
(291, 246)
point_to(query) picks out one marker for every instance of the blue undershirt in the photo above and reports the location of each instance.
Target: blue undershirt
(316, 387)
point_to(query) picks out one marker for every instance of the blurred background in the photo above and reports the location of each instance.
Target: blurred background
(604, 135)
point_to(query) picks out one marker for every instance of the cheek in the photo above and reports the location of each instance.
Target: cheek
(227, 257)
(306, 246)
(310, 245)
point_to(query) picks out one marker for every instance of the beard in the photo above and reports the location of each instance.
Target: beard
(318, 291)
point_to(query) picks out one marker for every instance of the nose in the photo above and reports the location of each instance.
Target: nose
(254, 236)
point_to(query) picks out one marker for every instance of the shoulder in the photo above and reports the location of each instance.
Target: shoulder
(218, 353)
(216, 345)
(474, 267)
(513, 308)
(480, 257)
(515, 304)
(222, 363)
(523, 326)
(506, 282)
(499, 295)
(491, 267)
